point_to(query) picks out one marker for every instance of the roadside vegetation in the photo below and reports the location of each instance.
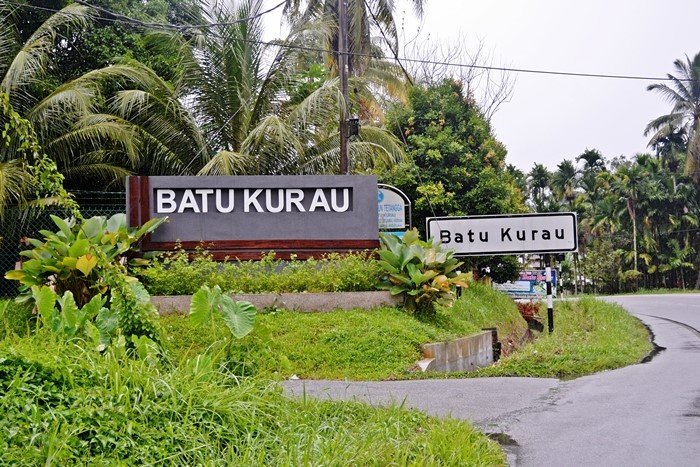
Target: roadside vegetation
(379, 344)
(589, 336)
(177, 273)
(90, 373)
(63, 403)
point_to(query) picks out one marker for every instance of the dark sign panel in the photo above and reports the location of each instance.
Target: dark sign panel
(246, 216)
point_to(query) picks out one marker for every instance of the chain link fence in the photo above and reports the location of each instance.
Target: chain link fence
(16, 225)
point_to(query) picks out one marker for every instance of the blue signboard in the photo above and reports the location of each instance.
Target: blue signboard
(530, 284)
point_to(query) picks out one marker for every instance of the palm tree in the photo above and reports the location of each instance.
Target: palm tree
(539, 180)
(683, 93)
(566, 180)
(95, 137)
(365, 17)
(244, 107)
(629, 180)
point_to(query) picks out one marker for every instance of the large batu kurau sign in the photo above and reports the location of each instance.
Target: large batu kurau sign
(244, 217)
(506, 234)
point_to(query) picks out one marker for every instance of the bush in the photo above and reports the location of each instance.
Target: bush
(423, 272)
(176, 274)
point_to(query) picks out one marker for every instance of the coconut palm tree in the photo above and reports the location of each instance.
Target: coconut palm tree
(243, 103)
(95, 136)
(365, 18)
(683, 93)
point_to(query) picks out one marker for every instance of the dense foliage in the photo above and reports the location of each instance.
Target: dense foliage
(423, 272)
(591, 336)
(167, 87)
(456, 166)
(64, 404)
(178, 274)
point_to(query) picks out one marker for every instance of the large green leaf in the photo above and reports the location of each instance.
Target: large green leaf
(116, 222)
(239, 316)
(79, 248)
(140, 293)
(45, 300)
(63, 225)
(93, 227)
(91, 308)
(70, 312)
(203, 303)
(106, 322)
(388, 267)
(15, 275)
(150, 226)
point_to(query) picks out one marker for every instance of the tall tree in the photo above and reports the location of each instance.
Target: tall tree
(540, 183)
(366, 19)
(456, 166)
(566, 180)
(258, 114)
(683, 93)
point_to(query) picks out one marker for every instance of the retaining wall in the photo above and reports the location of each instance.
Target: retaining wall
(308, 302)
(464, 354)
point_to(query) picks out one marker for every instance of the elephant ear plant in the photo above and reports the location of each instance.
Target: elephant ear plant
(423, 272)
(82, 260)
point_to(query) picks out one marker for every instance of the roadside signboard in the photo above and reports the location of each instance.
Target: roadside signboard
(244, 217)
(506, 234)
(391, 210)
(530, 284)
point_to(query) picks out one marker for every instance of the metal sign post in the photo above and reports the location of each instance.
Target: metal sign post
(550, 302)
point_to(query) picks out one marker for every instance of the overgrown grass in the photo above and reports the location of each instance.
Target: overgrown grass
(63, 404)
(379, 344)
(15, 318)
(589, 336)
(175, 274)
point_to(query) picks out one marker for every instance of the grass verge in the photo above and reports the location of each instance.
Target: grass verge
(379, 344)
(63, 404)
(589, 336)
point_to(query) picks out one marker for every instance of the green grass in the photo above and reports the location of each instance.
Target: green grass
(379, 344)
(15, 318)
(589, 336)
(64, 404)
(661, 291)
(211, 400)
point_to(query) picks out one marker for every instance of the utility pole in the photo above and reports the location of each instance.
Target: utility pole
(343, 74)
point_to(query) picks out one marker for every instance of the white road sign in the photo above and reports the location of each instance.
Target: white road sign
(506, 234)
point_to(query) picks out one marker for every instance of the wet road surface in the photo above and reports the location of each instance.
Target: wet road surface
(642, 415)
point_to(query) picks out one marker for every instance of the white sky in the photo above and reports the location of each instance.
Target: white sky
(550, 118)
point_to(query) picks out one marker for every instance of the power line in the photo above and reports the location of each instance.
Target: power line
(130, 20)
(118, 18)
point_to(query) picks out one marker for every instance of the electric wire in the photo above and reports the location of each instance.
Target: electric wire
(118, 18)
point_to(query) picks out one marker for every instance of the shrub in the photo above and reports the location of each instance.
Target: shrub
(175, 273)
(83, 261)
(423, 272)
(75, 257)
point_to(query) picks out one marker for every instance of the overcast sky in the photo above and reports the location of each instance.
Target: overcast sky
(550, 118)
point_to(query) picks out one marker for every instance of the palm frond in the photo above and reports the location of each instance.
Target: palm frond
(227, 163)
(30, 61)
(14, 183)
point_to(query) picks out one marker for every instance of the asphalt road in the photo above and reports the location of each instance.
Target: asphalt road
(642, 415)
